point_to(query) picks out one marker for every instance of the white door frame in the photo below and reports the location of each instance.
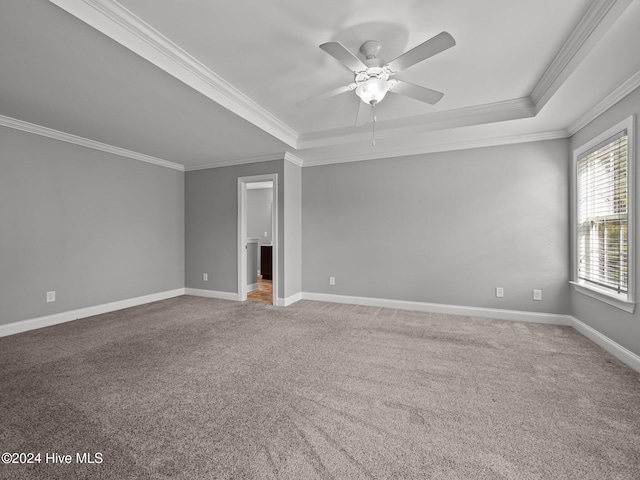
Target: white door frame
(242, 233)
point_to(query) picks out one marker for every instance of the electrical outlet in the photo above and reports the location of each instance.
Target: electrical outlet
(537, 294)
(205, 277)
(266, 234)
(499, 292)
(51, 296)
(332, 280)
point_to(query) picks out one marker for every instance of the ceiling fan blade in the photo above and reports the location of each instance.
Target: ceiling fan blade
(344, 56)
(364, 113)
(325, 95)
(415, 91)
(435, 45)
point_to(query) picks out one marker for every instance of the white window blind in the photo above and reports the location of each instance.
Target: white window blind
(602, 214)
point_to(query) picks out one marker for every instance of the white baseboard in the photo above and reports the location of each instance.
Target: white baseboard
(252, 287)
(197, 292)
(592, 334)
(285, 302)
(549, 318)
(49, 320)
(609, 345)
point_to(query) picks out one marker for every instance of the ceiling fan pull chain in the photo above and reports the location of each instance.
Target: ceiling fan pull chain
(373, 109)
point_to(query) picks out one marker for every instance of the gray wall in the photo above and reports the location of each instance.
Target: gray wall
(292, 229)
(259, 214)
(211, 224)
(259, 218)
(252, 263)
(445, 228)
(618, 325)
(94, 227)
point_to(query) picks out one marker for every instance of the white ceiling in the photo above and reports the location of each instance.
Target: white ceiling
(204, 83)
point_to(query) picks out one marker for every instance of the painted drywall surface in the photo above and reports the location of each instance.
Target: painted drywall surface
(91, 226)
(252, 263)
(259, 217)
(444, 228)
(259, 214)
(618, 325)
(211, 224)
(292, 229)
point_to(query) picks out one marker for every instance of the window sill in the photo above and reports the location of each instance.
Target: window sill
(605, 297)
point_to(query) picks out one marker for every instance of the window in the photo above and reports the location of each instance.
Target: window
(603, 235)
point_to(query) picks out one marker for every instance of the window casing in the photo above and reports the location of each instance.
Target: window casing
(603, 236)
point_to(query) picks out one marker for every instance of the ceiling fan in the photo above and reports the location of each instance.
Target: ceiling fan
(372, 80)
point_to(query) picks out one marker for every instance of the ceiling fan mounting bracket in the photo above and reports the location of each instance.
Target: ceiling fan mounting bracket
(370, 49)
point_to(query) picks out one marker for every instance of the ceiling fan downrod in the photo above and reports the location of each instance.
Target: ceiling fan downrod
(375, 119)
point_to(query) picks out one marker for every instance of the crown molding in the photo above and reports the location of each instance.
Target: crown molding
(114, 20)
(442, 147)
(599, 17)
(621, 91)
(239, 161)
(117, 22)
(462, 117)
(85, 142)
(290, 157)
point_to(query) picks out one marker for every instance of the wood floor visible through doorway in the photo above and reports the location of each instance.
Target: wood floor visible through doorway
(264, 293)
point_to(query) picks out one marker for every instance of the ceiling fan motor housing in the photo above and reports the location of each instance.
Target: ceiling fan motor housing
(371, 72)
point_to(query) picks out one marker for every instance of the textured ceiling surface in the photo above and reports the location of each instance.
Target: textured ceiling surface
(204, 83)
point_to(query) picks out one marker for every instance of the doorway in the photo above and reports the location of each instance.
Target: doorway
(258, 241)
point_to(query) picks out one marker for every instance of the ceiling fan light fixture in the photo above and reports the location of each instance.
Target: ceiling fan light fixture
(373, 90)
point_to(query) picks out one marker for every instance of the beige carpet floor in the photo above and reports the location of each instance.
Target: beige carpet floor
(195, 388)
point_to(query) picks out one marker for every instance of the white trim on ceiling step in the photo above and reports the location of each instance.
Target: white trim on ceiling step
(621, 91)
(597, 20)
(63, 317)
(114, 20)
(518, 108)
(120, 24)
(441, 147)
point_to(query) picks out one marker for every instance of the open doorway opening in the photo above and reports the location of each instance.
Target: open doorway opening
(259, 241)
(257, 238)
